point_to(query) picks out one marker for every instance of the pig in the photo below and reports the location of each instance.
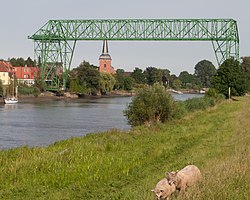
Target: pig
(184, 178)
(163, 189)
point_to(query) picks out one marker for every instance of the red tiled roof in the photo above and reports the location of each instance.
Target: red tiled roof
(6, 66)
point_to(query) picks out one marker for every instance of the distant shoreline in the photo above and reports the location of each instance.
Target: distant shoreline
(52, 96)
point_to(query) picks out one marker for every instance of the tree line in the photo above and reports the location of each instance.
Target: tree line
(86, 79)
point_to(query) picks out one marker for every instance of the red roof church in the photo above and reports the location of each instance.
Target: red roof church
(105, 60)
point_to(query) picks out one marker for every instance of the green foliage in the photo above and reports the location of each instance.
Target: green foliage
(30, 63)
(212, 93)
(151, 104)
(186, 79)
(19, 62)
(180, 110)
(1, 88)
(153, 75)
(73, 86)
(196, 104)
(119, 77)
(230, 74)
(40, 84)
(245, 65)
(89, 75)
(128, 83)
(199, 103)
(107, 82)
(204, 71)
(28, 90)
(176, 84)
(138, 76)
(172, 78)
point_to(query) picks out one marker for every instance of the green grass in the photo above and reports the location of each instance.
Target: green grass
(127, 165)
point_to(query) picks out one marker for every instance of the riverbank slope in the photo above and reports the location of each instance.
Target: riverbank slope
(127, 165)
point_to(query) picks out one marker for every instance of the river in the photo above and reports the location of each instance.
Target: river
(39, 123)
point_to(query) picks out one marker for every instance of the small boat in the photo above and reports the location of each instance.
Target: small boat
(176, 92)
(11, 100)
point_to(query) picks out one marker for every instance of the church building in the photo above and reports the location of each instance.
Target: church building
(105, 60)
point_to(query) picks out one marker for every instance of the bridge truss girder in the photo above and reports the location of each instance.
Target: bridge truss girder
(55, 41)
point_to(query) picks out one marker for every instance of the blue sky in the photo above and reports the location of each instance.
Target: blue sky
(21, 18)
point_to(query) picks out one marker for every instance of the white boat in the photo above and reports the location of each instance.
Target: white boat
(11, 100)
(176, 92)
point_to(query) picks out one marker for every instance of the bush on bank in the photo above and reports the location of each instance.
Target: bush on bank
(152, 104)
(28, 90)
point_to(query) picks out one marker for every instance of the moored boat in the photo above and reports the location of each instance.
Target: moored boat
(11, 100)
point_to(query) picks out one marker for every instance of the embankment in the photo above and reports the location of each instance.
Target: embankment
(119, 165)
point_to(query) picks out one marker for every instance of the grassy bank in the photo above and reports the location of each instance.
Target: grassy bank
(119, 165)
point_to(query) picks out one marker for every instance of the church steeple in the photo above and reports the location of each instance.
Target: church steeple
(105, 49)
(105, 53)
(105, 60)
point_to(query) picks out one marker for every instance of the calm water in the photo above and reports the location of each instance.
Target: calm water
(41, 123)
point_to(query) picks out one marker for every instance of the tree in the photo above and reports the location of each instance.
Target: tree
(138, 76)
(151, 104)
(29, 62)
(245, 65)
(89, 75)
(153, 75)
(176, 84)
(230, 74)
(186, 79)
(13, 62)
(73, 86)
(20, 62)
(119, 77)
(172, 78)
(107, 82)
(128, 83)
(204, 71)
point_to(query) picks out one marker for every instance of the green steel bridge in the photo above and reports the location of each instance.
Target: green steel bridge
(55, 41)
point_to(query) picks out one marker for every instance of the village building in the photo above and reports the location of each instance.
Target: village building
(26, 75)
(105, 60)
(6, 72)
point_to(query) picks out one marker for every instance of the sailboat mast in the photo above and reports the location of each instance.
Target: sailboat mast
(13, 84)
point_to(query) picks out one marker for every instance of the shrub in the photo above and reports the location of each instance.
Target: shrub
(230, 75)
(181, 110)
(28, 90)
(211, 93)
(151, 104)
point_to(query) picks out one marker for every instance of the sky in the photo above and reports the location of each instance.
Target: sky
(22, 18)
